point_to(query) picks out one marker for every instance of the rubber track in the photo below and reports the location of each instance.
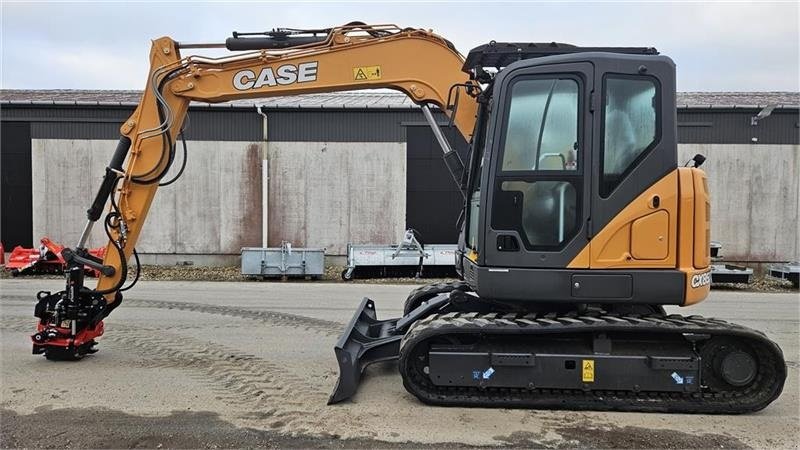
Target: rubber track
(766, 388)
(422, 293)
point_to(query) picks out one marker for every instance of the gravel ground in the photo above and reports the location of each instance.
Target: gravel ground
(333, 274)
(219, 365)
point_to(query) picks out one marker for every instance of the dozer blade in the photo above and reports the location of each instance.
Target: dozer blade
(365, 340)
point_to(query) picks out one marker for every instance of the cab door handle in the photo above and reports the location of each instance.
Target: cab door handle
(507, 243)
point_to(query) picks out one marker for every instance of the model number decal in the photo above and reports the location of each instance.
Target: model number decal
(286, 74)
(701, 279)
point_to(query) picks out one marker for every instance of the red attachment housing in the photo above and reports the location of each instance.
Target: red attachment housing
(63, 338)
(45, 259)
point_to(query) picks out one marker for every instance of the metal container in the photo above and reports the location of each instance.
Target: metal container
(367, 255)
(715, 248)
(722, 272)
(284, 261)
(731, 273)
(789, 271)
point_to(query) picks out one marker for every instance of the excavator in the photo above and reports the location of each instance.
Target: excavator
(578, 223)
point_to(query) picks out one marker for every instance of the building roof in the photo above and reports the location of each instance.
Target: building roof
(339, 100)
(379, 99)
(738, 99)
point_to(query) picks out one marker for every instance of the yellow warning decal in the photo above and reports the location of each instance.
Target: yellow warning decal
(587, 371)
(367, 73)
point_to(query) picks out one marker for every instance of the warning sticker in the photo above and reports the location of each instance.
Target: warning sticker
(587, 371)
(367, 73)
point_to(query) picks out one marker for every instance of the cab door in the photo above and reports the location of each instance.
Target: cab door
(539, 197)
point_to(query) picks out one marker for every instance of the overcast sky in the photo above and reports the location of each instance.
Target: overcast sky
(717, 46)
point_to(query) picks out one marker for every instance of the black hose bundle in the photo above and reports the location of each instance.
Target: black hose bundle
(113, 220)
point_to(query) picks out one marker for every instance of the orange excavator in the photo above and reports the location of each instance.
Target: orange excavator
(578, 225)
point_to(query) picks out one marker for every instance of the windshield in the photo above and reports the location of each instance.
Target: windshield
(542, 126)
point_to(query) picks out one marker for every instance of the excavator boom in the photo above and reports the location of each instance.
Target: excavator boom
(347, 58)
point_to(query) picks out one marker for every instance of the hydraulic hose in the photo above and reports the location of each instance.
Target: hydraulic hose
(167, 148)
(183, 163)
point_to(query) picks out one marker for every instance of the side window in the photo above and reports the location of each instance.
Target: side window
(629, 128)
(542, 127)
(473, 212)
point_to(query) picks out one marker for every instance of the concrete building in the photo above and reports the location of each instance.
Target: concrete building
(323, 170)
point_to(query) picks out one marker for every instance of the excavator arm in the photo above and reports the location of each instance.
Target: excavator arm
(417, 62)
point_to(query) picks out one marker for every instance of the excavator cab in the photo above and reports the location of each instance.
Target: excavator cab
(569, 141)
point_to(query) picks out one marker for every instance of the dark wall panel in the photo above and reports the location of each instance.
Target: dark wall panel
(734, 127)
(222, 124)
(101, 123)
(721, 126)
(16, 222)
(433, 202)
(340, 125)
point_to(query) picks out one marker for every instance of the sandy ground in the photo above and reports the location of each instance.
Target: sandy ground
(216, 364)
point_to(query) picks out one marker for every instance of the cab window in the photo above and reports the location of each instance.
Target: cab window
(542, 127)
(629, 130)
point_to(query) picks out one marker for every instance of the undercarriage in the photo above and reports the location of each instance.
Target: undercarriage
(590, 357)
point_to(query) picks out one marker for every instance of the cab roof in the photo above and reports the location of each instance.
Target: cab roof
(500, 54)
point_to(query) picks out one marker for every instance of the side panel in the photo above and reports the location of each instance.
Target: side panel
(694, 250)
(702, 218)
(649, 236)
(684, 189)
(648, 224)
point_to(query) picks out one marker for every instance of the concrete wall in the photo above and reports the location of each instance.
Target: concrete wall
(328, 194)
(66, 174)
(321, 195)
(214, 209)
(755, 199)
